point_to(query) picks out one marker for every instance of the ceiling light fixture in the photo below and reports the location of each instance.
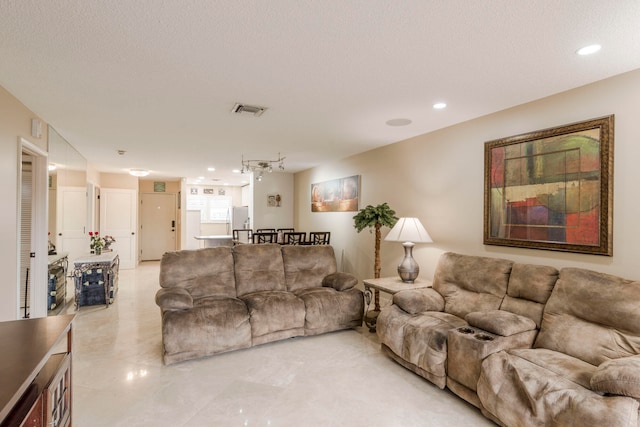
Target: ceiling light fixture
(588, 50)
(139, 172)
(211, 169)
(439, 105)
(261, 166)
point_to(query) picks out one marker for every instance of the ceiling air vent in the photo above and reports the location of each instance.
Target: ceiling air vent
(253, 110)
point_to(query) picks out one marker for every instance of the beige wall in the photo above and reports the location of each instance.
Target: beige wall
(438, 177)
(265, 216)
(15, 122)
(122, 181)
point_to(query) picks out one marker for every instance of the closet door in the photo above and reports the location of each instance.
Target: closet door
(119, 219)
(71, 216)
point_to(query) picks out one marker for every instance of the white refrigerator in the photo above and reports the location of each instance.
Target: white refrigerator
(240, 217)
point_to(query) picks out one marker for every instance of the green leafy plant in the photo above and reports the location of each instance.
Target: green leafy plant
(375, 217)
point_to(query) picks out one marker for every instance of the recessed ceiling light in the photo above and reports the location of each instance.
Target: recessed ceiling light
(201, 177)
(439, 105)
(588, 50)
(211, 169)
(139, 172)
(236, 171)
(398, 122)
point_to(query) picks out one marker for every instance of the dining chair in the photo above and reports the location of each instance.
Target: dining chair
(242, 235)
(265, 237)
(294, 238)
(285, 230)
(319, 237)
(266, 230)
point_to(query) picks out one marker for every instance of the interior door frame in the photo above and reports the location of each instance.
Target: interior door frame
(39, 225)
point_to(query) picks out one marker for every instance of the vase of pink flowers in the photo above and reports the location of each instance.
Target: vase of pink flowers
(96, 243)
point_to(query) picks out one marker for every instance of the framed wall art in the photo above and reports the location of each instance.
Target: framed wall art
(337, 195)
(273, 200)
(552, 189)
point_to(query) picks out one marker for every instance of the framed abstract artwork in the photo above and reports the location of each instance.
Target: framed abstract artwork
(337, 195)
(552, 189)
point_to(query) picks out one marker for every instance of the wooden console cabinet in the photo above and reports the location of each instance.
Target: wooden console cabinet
(36, 372)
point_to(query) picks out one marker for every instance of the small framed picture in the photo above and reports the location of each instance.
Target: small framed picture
(273, 200)
(207, 191)
(194, 190)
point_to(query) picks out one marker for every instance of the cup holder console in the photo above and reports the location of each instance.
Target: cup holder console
(483, 337)
(466, 330)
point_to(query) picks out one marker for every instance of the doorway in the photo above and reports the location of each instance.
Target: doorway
(157, 225)
(32, 231)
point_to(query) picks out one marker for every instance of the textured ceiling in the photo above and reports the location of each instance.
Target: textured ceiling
(159, 78)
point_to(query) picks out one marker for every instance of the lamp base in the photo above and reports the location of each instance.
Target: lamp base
(408, 269)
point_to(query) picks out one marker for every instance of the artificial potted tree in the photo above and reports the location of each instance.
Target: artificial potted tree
(375, 217)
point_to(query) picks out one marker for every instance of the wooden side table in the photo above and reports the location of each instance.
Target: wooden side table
(390, 285)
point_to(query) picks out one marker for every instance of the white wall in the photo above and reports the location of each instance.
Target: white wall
(439, 178)
(15, 122)
(264, 216)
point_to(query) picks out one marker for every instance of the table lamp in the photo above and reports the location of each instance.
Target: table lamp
(409, 231)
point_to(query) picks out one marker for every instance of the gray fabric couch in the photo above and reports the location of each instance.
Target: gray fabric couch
(220, 299)
(528, 345)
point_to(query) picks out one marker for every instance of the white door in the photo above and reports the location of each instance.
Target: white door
(71, 218)
(118, 218)
(157, 225)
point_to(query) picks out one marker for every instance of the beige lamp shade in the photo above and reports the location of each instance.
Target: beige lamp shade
(409, 230)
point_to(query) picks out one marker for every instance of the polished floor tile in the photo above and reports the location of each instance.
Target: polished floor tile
(335, 379)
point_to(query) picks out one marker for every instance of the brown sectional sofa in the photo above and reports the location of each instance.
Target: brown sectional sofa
(528, 345)
(220, 299)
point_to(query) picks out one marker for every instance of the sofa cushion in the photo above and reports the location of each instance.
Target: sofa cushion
(390, 326)
(425, 342)
(592, 316)
(528, 391)
(340, 281)
(471, 283)
(565, 366)
(258, 268)
(529, 289)
(174, 299)
(307, 266)
(213, 325)
(618, 376)
(415, 301)
(327, 309)
(273, 312)
(202, 272)
(503, 323)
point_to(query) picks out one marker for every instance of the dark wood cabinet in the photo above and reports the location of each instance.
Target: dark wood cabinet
(36, 372)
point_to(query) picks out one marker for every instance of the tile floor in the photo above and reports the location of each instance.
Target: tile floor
(336, 379)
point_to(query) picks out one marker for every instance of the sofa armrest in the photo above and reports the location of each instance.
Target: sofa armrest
(340, 281)
(618, 376)
(500, 322)
(174, 299)
(415, 301)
